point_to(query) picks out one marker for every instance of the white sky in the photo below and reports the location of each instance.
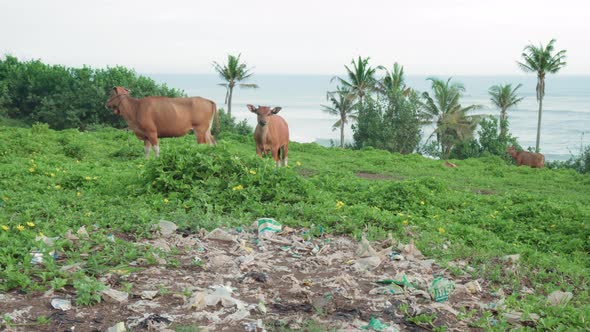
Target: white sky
(429, 37)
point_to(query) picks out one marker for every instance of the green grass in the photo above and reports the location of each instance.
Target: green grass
(52, 182)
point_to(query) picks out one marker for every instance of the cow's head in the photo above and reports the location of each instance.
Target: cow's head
(115, 98)
(511, 150)
(263, 113)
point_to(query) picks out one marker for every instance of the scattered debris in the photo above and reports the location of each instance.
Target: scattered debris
(558, 298)
(61, 304)
(267, 227)
(114, 296)
(273, 276)
(119, 327)
(258, 276)
(148, 295)
(166, 228)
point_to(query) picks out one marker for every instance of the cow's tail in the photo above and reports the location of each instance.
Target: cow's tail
(214, 118)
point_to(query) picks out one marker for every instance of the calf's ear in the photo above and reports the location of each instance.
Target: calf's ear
(251, 108)
(276, 110)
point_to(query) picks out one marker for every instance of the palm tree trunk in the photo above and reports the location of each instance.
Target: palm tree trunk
(342, 134)
(503, 123)
(231, 90)
(539, 124)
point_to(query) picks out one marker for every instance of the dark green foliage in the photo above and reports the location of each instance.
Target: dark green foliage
(490, 142)
(391, 122)
(228, 124)
(580, 162)
(67, 97)
(208, 176)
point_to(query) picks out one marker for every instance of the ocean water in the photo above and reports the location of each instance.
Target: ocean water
(566, 106)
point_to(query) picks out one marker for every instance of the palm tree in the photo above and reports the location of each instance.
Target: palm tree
(541, 60)
(504, 97)
(452, 122)
(393, 80)
(233, 72)
(342, 106)
(361, 79)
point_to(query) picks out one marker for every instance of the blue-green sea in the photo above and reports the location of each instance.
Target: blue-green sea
(566, 106)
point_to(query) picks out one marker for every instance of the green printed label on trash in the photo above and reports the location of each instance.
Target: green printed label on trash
(268, 225)
(441, 288)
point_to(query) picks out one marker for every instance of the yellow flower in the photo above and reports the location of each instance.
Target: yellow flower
(78, 194)
(57, 186)
(41, 234)
(421, 202)
(339, 204)
(20, 227)
(253, 172)
(166, 201)
(441, 230)
(31, 170)
(298, 163)
(405, 222)
(52, 174)
(30, 224)
(88, 178)
(6, 228)
(238, 187)
(400, 214)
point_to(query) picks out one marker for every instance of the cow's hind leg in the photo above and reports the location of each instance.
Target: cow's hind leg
(201, 135)
(285, 151)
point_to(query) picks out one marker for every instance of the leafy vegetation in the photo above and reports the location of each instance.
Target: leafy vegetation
(478, 212)
(66, 97)
(453, 124)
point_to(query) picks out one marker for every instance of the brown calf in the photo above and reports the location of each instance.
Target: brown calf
(527, 158)
(271, 133)
(154, 117)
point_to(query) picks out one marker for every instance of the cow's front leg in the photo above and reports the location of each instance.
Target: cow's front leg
(275, 156)
(147, 146)
(153, 139)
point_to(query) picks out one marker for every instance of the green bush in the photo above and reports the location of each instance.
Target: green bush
(66, 97)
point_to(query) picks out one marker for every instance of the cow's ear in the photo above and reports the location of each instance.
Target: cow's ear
(276, 110)
(251, 108)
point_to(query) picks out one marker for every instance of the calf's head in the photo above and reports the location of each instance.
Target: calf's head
(263, 112)
(115, 99)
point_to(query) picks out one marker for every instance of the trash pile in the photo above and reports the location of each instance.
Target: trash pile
(267, 276)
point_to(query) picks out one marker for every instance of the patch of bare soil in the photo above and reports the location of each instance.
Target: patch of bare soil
(377, 176)
(230, 281)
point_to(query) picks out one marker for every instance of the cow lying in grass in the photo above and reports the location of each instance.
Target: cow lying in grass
(271, 133)
(531, 159)
(154, 117)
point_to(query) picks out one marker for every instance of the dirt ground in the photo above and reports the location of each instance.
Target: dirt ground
(251, 281)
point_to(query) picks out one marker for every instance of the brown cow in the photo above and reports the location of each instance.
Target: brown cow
(527, 158)
(271, 133)
(154, 117)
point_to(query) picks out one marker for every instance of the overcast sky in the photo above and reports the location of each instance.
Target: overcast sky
(428, 37)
